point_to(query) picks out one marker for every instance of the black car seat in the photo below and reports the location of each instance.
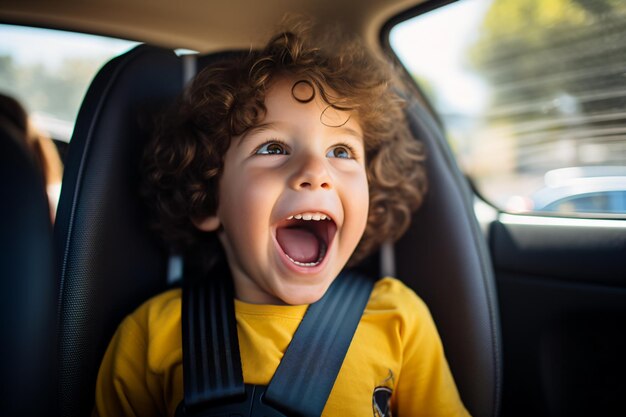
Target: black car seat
(28, 287)
(110, 263)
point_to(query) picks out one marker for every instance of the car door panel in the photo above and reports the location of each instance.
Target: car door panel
(562, 294)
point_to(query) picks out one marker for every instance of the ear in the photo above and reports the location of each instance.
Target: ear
(207, 224)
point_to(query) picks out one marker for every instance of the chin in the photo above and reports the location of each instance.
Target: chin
(300, 296)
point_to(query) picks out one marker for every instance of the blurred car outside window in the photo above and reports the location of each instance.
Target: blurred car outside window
(531, 95)
(49, 71)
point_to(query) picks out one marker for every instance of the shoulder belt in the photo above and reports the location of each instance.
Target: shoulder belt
(213, 378)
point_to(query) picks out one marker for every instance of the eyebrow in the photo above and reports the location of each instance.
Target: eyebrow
(255, 129)
(272, 125)
(350, 131)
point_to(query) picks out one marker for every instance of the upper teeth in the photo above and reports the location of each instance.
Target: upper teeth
(309, 216)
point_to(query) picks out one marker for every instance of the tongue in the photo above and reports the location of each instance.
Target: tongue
(299, 244)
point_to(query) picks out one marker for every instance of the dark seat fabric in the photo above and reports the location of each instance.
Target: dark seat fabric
(444, 258)
(108, 261)
(28, 287)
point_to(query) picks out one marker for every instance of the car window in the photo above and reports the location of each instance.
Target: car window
(531, 95)
(49, 71)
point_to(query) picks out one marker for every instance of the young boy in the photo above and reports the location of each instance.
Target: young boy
(298, 159)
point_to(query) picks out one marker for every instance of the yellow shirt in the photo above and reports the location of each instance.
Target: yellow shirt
(396, 347)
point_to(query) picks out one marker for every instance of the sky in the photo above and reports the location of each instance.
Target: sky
(432, 46)
(49, 47)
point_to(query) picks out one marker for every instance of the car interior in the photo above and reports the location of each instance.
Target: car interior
(530, 311)
(28, 284)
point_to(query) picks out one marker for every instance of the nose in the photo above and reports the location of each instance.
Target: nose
(310, 173)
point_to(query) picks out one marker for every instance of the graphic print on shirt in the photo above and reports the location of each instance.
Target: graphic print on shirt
(381, 398)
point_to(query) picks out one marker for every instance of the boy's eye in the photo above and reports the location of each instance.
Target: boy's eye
(340, 152)
(272, 148)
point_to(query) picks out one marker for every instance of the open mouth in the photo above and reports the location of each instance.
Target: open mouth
(305, 238)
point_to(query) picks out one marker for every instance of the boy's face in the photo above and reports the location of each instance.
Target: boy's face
(305, 160)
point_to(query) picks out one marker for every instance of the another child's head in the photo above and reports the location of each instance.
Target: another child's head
(298, 157)
(15, 119)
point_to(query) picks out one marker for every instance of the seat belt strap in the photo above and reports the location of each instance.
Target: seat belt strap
(211, 359)
(306, 374)
(304, 378)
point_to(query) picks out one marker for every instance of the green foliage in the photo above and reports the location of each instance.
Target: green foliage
(556, 71)
(533, 49)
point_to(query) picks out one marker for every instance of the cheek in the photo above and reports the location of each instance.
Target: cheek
(357, 204)
(257, 192)
(245, 203)
(364, 203)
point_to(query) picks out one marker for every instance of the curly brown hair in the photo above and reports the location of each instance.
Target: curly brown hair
(183, 163)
